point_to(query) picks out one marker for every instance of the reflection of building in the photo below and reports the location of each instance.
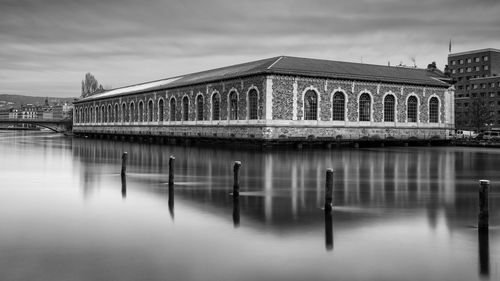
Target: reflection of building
(286, 188)
(476, 76)
(283, 98)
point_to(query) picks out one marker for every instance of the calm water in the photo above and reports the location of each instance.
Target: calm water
(400, 213)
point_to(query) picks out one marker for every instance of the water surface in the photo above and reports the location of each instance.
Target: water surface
(401, 213)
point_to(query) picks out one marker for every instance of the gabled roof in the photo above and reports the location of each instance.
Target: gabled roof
(285, 65)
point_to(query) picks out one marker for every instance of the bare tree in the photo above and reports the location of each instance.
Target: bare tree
(90, 86)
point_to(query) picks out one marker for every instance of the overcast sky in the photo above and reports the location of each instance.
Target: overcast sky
(47, 46)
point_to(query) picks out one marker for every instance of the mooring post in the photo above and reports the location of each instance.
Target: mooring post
(124, 163)
(124, 186)
(483, 204)
(328, 230)
(329, 189)
(171, 162)
(236, 210)
(236, 170)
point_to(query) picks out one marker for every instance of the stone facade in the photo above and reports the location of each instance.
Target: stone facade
(280, 109)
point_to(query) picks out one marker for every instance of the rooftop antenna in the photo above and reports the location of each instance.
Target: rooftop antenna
(414, 60)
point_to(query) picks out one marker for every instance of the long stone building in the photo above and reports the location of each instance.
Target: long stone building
(281, 99)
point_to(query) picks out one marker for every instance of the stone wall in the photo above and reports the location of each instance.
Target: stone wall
(241, 86)
(288, 94)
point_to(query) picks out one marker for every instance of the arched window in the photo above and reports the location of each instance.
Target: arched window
(172, 109)
(103, 114)
(310, 105)
(365, 102)
(199, 108)
(185, 108)
(161, 110)
(412, 109)
(141, 111)
(116, 113)
(92, 114)
(434, 110)
(253, 105)
(150, 111)
(233, 106)
(338, 106)
(124, 112)
(389, 106)
(133, 116)
(110, 114)
(216, 106)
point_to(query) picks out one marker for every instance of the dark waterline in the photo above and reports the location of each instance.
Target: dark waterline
(401, 213)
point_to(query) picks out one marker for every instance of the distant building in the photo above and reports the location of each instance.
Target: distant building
(477, 79)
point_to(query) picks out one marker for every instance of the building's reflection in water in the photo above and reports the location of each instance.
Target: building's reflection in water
(393, 178)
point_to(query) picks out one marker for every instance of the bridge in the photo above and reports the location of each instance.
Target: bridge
(62, 126)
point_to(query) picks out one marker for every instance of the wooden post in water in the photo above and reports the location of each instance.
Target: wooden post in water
(171, 162)
(329, 189)
(236, 185)
(483, 204)
(124, 163)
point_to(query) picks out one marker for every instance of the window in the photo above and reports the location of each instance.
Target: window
(461, 70)
(486, 67)
(172, 109)
(124, 112)
(110, 114)
(185, 108)
(103, 113)
(199, 108)
(475, 86)
(485, 58)
(492, 85)
(467, 87)
(310, 105)
(133, 113)
(483, 86)
(389, 103)
(150, 111)
(469, 69)
(469, 60)
(161, 110)
(434, 110)
(365, 107)
(461, 61)
(338, 106)
(476, 68)
(216, 106)
(454, 71)
(412, 109)
(476, 59)
(116, 113)
(140, 112)
(233, 106)
(252, 105)
(453, 62)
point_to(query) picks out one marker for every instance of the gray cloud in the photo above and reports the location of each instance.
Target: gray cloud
(52, 43)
